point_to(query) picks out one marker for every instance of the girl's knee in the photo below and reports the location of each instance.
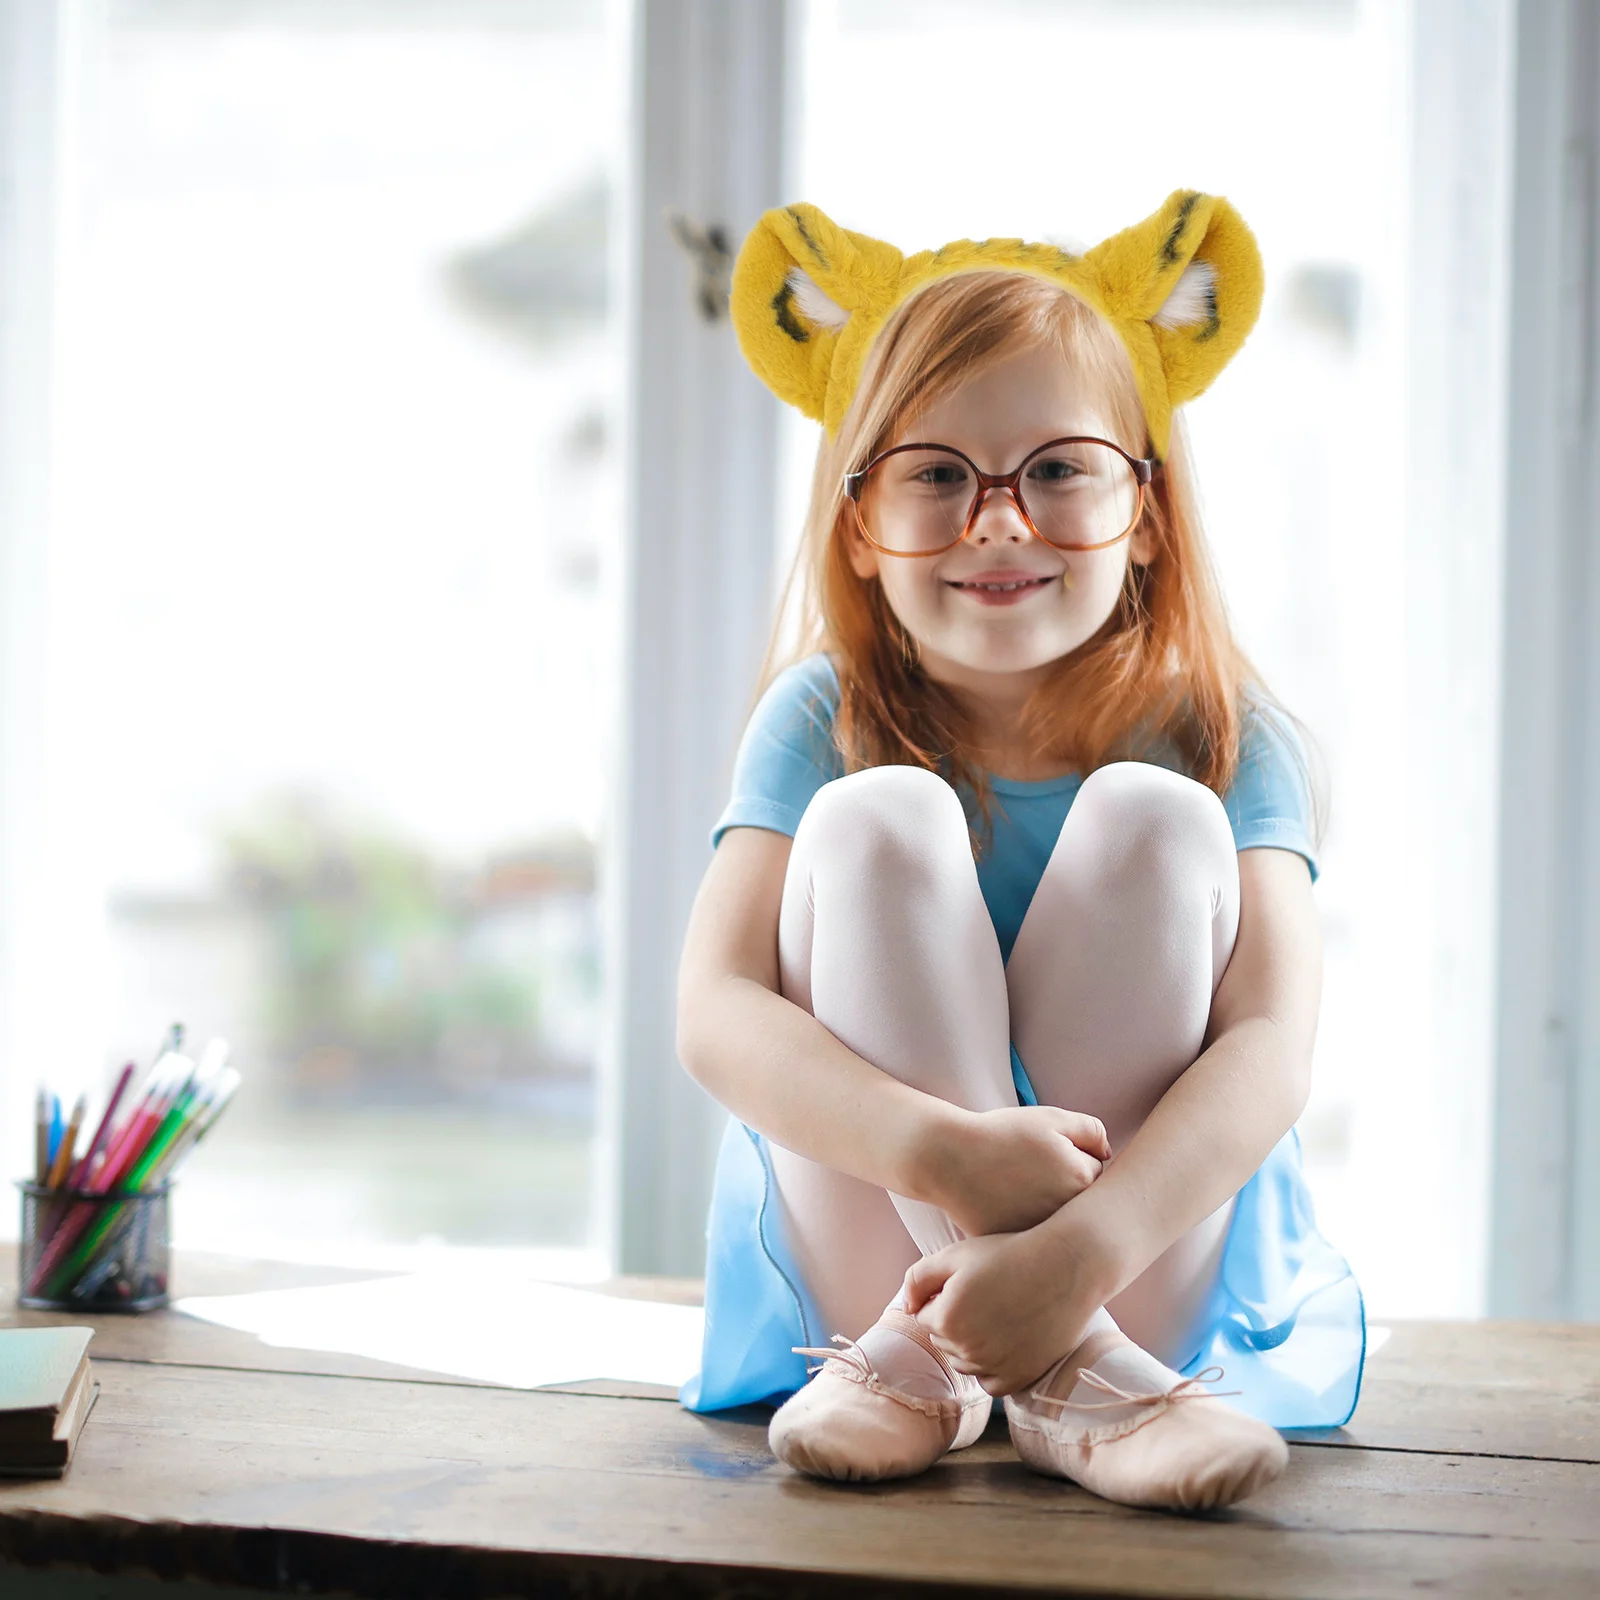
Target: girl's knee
(1141, 815)
(897, 814)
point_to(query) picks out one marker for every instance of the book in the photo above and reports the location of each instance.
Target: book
(47, 1390)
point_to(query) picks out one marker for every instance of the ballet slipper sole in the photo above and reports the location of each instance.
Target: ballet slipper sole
(1226, 1459)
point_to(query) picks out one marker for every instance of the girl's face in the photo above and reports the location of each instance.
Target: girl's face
(968, 631)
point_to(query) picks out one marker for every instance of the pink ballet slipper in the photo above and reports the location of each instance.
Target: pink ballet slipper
(862, 1419)
(1173, 1445)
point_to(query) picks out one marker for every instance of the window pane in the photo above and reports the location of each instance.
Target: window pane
(334, 595)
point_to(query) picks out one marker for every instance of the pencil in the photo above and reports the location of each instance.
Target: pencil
(151, 1106)
(41, 1138)
(83, 1168)
(206, 1113)
(69, 1142)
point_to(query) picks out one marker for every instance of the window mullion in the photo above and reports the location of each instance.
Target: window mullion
(706, 144)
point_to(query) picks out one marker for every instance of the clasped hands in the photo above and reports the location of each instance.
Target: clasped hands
(1015, 1295)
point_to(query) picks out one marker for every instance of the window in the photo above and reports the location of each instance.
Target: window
(334, 596)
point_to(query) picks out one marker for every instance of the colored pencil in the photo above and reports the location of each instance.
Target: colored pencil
(41, 1138)
(150, 1107)
(218, 1096)
(96, 1144)
(69, 1143)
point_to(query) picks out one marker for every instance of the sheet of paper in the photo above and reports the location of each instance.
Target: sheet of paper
(517, 1332)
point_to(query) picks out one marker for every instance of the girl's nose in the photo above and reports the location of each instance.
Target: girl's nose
(999, 520)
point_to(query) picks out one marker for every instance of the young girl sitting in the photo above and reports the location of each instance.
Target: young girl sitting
(1007, 961)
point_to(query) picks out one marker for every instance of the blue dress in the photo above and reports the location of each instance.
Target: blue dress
(1285, 1318)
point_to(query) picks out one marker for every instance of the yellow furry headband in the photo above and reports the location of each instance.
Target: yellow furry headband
(1182, 289)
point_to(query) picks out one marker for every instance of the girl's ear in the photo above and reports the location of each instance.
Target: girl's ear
(1143, 542)
(862, 557)
(801, 284)
(1184, 287)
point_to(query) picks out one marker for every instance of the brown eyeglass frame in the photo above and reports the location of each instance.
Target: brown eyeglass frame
(855, 482)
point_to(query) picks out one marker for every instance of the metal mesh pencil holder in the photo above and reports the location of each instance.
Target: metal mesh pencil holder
(93, 1252)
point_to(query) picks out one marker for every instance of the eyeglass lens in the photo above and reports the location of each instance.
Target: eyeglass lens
(917, 502)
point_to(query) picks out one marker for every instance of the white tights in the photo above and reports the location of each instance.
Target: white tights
(884, 937)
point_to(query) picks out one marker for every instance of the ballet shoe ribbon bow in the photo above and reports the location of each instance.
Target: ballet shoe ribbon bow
(1195, 1388)
(848, 1351)
(859, 1369)
(901, 1322)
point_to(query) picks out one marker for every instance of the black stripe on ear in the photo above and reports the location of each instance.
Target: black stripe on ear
(783, 307)
(1169, 246)
(805, 234)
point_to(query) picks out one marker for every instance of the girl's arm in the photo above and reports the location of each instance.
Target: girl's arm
(780, 1071)
(1201, 1144)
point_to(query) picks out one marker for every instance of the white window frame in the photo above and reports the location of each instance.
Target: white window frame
(1544, 1258)
(707, 141)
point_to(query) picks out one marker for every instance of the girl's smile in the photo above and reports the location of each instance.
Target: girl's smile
(1005, 586)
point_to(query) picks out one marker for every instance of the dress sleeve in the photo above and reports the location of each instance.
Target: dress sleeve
(1269, 801)
(787, 752)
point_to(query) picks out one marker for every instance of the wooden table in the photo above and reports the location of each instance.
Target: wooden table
(1471, 1468)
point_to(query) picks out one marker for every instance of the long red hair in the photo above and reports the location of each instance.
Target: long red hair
(1164, 665)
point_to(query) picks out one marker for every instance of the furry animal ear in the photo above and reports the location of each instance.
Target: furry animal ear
(1184, 287)
(802, 285)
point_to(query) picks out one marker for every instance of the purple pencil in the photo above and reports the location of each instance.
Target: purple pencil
(82, 1169)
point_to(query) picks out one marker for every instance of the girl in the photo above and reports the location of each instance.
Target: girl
(1007, 962)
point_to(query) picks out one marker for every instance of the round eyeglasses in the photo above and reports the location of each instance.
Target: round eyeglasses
(923, 499)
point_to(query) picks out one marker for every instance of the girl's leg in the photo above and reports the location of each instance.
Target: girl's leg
(1111, 982)
(885, 939)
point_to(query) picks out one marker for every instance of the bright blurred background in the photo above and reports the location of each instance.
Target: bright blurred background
(334, 594)
(334, 598)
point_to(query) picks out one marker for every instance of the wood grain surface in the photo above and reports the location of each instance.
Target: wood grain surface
(1470, 1469)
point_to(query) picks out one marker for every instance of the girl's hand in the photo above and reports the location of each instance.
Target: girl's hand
(1006, 1308)
(1006, 1171)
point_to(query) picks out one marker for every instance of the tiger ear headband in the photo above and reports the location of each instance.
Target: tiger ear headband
(1182, 289)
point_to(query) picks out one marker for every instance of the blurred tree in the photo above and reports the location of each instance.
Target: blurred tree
(378, 973)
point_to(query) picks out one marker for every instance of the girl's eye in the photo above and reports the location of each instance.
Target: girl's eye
(1055, 469)
(940, 475)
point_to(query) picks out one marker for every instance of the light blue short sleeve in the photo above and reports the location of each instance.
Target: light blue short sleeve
(1269, 800)
(787, 752)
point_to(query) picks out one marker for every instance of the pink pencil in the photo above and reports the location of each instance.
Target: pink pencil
(141, 1122)
(86, 1163)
